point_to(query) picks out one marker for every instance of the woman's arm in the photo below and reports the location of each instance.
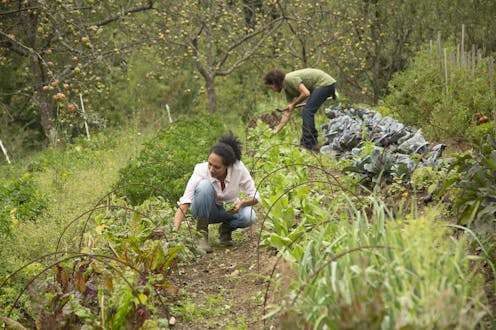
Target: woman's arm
(180, 213)
(247, 185)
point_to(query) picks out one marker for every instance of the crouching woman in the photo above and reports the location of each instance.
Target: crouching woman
(214, 184)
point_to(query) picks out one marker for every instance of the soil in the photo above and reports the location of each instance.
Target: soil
(226, 289)
(453, 145)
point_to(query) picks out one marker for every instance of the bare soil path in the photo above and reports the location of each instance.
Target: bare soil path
(225, 289)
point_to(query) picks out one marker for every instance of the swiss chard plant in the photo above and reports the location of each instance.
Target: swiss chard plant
(116, 275)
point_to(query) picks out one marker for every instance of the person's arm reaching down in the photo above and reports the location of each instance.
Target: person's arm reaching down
(180, 213)
(286, 115)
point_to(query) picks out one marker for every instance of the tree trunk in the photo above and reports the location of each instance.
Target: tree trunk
(212, 96)
(38, 73)
(43, 100)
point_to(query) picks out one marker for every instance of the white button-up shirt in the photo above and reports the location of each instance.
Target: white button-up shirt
(238, 180)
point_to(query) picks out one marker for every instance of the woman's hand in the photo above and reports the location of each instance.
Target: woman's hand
(234, 207)
(237, 206)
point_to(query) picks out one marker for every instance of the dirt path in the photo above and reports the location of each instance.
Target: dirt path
(225, 289)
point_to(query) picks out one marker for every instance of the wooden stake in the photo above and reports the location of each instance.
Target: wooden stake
(439, 56)
(457, 57)
(168, 112)
(473, 60)
(84, 117)
(446, 70)
(491, 84)
(491, 76)
(5, 152)
(430, 52)
(462, 49)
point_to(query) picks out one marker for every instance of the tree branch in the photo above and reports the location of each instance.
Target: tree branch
(275, 25)
(124, 13)
(17, 11)
(12, 44)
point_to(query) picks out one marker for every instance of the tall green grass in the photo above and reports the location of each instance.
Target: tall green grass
(73, 179)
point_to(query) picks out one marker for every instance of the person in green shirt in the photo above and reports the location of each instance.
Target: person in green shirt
(312, 85)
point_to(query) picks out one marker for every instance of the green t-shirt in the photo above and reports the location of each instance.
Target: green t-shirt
(311, 78)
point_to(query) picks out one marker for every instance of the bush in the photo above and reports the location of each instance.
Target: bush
(165, 164)
(476, 202)
(477, 135)
(20, 200)
(418, 96)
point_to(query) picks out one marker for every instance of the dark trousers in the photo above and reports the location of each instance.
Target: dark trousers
(310, 135)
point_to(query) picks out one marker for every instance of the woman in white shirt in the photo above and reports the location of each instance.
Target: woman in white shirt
(214, 183)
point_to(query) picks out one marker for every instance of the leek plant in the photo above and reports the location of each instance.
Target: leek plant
(372, 268)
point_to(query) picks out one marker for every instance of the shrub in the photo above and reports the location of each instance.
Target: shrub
(477, 135)
(20, 200)
(476, 201)
(166, 162)
(418, 96)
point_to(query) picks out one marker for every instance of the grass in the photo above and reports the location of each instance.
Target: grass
(73, 179)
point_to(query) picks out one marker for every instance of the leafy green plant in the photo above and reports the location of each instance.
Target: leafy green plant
(361, 263)
(20, 200)
(164, 166)
(477, 134)
(374, 166)
(475, 200)
(431, 179)
(90, 166)
(372, 268)
(116, 279)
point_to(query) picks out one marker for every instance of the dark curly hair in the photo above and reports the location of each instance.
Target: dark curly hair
(274, 77)
(229, 148)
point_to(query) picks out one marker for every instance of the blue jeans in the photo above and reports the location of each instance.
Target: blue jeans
(203, 206)
(310, 135)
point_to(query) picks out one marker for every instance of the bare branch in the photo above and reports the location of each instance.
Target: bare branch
(124, 13)
(17, 11)
(16, 46)
(249, 52)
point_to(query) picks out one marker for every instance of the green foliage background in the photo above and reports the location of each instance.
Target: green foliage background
(418, 97)
(167, 161)
(133, 67)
